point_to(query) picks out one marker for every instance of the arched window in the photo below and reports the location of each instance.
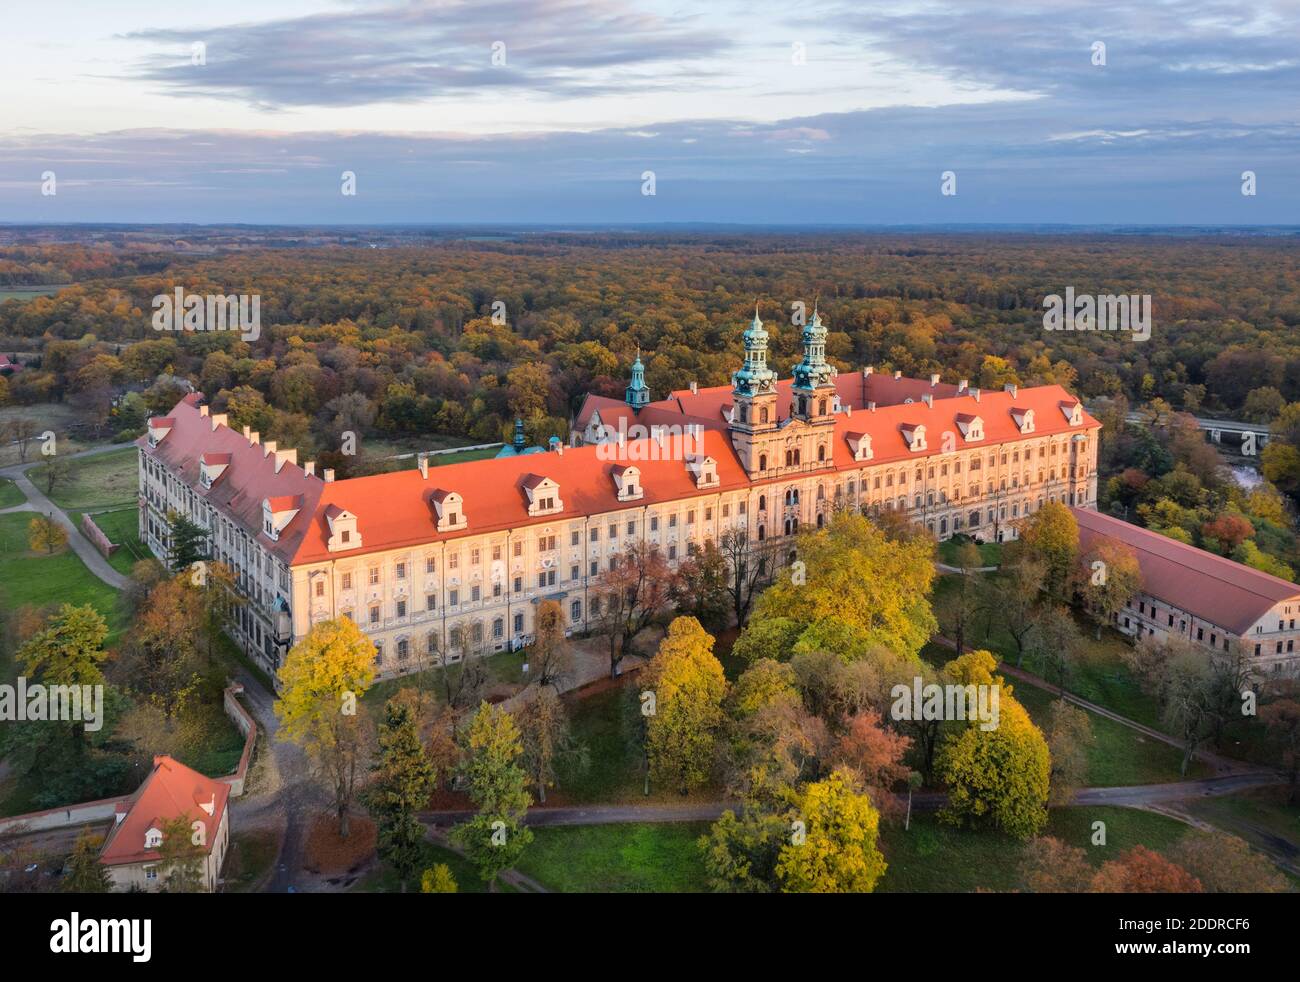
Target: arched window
(943, 526)
(789, 458)
(762, 462)
(820, 519)
(821, 407)
(796, 455)
(762, 415)
(762, 533)
(762, 502)
(975, 519)
(821, 452)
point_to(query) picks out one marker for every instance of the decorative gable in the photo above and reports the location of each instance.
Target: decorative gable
(543, 495)
(860, 444)
(914, 434)
(449, 511)
(278, 512)
(1073, 412)
(971, 426)
(344, 533)
(627, 480)
(1023, 418)
(704, 468)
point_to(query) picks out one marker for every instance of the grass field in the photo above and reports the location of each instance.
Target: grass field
(1263, 818)
(249, 859)
(39, 579)
(383, 880)
(29, 292)
(10, 495)
(633, 858)
(94, 483)
(990, 552)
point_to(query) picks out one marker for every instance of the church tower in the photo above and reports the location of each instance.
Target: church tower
(813, 392)
(637, 394)
(753, 390)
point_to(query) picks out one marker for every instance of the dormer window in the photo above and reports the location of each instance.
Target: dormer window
(449, 511)
(278, 512)
(343, 531)
(1023, 418)
(972, 427)
(705, 470)
(860, 444)
(153, 838)
(914, 435)
(1073, 412)
(627, 483)
(543, 495)
(211, 467)
(159, 428)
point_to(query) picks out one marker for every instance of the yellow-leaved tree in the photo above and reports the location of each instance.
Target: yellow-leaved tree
(832, 845)
(850, 589)
(688, 687)
(321, 683)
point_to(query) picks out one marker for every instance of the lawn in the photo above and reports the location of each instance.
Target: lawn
(1262, 818)
(122, 528)
(103, 481)
(633, 858)
(937, 858)
(249, 860)
(10, 495)
(39, 579)
(990, 552)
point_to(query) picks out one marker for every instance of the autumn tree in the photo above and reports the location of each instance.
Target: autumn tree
(1051, 535)
(322, 681)
(495, 779)
(180, 857)
(1011, 597)
(832, 847)
(851, 590)
(1139, 870)
(438, 879)
(86, 874)
(1107, 577)
(550, 658)
(998, 775)
(1069, 741)
(630, 596)
(1048, 865)
(1224, 863)
(750, 567)
(547, 739)
(741, 851)
(45, 533)
(688, 687)
(1281, 719)
(403, 780)
(874, 754)
(1055, 645)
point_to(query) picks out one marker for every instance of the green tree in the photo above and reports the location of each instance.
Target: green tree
(438, 879)
(86, 874)
(180, 857)
(496, 837)
(404, 779)
(1052, 535)
(189, 542)
(547, 739)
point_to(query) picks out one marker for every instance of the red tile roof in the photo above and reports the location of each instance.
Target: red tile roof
(1215, 589)
(394, 510)
(171, 791)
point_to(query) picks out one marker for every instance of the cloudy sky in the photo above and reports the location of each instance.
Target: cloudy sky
(823, 111)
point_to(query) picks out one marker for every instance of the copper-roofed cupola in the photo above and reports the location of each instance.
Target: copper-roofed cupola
(813, 391)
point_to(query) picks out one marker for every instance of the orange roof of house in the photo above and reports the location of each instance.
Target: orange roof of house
(394, 510)
(1215, 589)
(171, 791)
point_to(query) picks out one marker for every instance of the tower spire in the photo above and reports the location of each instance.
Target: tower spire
(638, 393)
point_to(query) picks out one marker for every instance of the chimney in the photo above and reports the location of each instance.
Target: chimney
(309, 468)
(1010, 387)
(934, 379)
(203, 411)
(328, 475)
(559, 448)
(976, 394)
(897, 375)
(963, 385)
(283, 457)
(928, 399)
(422, 461)
(871, 407)
(695, 388)
(247, 434)
(253, 438)
(868, 370)
(848, 410)
(219, 419)
(268, 448)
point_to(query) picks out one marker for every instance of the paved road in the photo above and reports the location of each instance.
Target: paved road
(38, 502)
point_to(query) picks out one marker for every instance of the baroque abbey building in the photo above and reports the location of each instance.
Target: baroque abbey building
(439, 560)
